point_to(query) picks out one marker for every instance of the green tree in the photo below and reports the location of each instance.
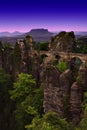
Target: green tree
(62, 65)
(28, 100)
(50, 121)
(6, 106)
(42, 46)
(83, 123)
(22, 94)
(4, 82)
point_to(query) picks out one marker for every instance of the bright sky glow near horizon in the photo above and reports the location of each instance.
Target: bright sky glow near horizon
(53, 15)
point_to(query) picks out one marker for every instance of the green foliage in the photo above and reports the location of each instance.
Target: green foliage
(22, 93)
(4, 82)
(81, 46)
(7, 46)
(6, 106)
(62, 65)
(38, 99)
(85, 101)
(82, 49)
(42, 46)
(24, 86)
(79, 79)
(83, 123)
(49, 121)
(29, 100)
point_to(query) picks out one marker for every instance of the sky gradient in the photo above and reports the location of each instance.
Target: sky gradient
(54, 15)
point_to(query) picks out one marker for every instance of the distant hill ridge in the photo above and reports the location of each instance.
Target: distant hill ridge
(8, 34)
(33, 32)
(39, 35)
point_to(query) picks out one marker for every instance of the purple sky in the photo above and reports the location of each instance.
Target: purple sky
(54, 15)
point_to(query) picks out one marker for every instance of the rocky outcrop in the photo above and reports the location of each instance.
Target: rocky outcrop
(77, 91)
(52, 91)
(82, 74)
(65, 81)
(64, 41)
(7, 58)
(57, 90)
(76, 102)
(26, 54)
(62, 94)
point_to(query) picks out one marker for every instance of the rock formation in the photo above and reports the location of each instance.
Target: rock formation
(65, 81)
(76, 102)
(63, 91)
(64, 41)
(52, 91)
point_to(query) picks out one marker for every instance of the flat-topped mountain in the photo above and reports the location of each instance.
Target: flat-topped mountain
(40, 34)
(37, 34)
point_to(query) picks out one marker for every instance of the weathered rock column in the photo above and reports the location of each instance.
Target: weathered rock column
(52, 91)
(76, 102)
(83, 74)
(66, 80)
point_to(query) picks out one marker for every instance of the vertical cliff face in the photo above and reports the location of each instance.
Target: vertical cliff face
(65, 81)
(76, 102)
(57, 90)
(63, 94)
(77, 91)
(27, 53)
(83, 77)
(52, 91)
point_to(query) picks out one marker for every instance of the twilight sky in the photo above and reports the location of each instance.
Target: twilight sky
(55, 15)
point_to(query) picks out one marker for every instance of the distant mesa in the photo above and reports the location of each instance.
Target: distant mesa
(40, 32)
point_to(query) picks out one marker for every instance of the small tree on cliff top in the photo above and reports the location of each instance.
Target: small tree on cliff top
(62, 65)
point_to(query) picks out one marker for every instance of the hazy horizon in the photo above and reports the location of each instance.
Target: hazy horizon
(53, 15)
(40, 28)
